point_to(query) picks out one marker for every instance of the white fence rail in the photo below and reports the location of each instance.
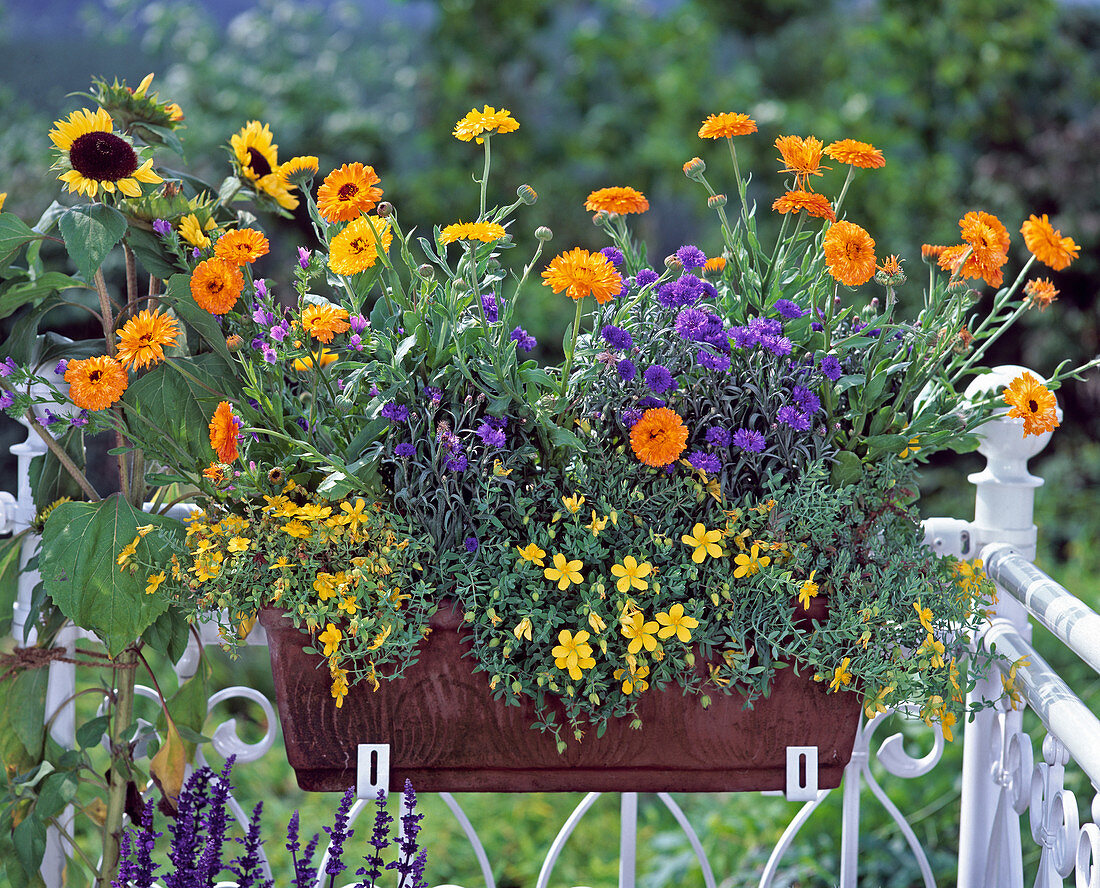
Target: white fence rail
(1001, 779)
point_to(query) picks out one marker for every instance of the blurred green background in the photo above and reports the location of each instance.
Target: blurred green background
(977, 104)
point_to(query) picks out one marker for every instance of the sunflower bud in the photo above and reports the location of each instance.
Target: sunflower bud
(527, 194)
(543, 233)
(716, 200)
(695, 168)
(385, 208)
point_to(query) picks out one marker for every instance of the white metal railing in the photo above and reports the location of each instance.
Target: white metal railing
(1001, 780)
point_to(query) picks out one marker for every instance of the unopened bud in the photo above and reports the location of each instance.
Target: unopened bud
(543, 233)
(695, 168)
(385, 209)
(716, 200)
(601, 217)
(527, 194)
(426, 271)
(673, 262)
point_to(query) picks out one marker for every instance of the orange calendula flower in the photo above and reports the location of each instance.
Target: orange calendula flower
(619, 199)
(1032, 402)
(726, 125)
(932, 251)
(581, 273)
(348, 192)
(801, 156)
(142, 339)
(891, 265)
(216, 284)
(224, 430)
(1040, 292)
(242, 246)
(715, 266)
(355, 248)
(988, 242)
(488, 120)
(486, 232)
(96, 383)
(1047, 244)
(659, 437)
(815, 204)
(322, 322)
(849, 253)
(857, 154)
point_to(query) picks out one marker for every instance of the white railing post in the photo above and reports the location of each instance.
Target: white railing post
(1003, 512)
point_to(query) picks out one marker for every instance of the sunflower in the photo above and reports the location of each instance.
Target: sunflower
(96, 383)
(355, 248)
(224, 430)
(487, 120)
(727, 125)
(849, 253)
(857, 154)
(580, 273)
(142, 339)
(814, 204)
(620, 199)
(801, 156)
(659, 437)
(1047, 244)
(194, 232)
(322, 322)
(94, 156)
(257, 161)
(486, 232)
(1040, 292)
(216, 284)
(242, 246)
(1032, 402)
(348, 192)
(3, 197)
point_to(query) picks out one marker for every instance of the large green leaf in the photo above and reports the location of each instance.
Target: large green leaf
(14, 233)
(22, 292)
(80, 545)
(23, 719)
(10, 550)
(90, 233)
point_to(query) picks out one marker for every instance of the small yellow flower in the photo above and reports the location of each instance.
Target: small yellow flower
(573, 503)
(677, 623)
(878, 704)
(564, 572)
(499, 470)
(925, 615)
(353, 514)
(297, 529)
(523, 629)
(596, 622)
(238, 544)
(380, 638)
(841, 675)
(747, 565)
(127, 552)
(808, 590)
(911, 448)
(532, 553)
(325, 585)
(349, 604)
(947, 719)
(573, 653)
(633, 676)
(631, 574)
(704, 542)
(935, 648)
(642, 634)
(154, 582)
(330, 638)
(597, 524)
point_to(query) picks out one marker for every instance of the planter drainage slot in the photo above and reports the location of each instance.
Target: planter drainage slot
(373, 771)
(801, 773)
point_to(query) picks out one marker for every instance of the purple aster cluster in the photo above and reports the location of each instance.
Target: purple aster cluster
(626, 370)
(718, 436)
(614, 256)
(491, 431)
(748, 440)
(617, 338)
(645, 277)
(8, 367)
(794, 418)
(61, 367)
(649, 402)
(705, 462)
(630, 417)
(523, 339)
(433, 394)
(395, 412)
(706, 358)
(692, 324)
(453, 458)
(659, 379)
(686, 290)
(405, 450)
(805, 399)
(830, 368)
(471, 544)
(764, 332)
(492, 310)
(691, 257)
(788, 309)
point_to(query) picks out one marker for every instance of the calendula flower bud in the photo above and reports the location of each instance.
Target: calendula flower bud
(673, 263)
(695, 168)
(716, 200)
(527, 194)
(543, 233)
(234, 343)
(426, 271)
(601, 217)
(385, 208)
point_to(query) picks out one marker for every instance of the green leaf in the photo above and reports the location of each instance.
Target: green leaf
(21, 293)
(56, 792)
(91, 732)
(847, 469)
(80, 545)
(169, 634)
(10, 550)
(14, 234)
(146, 246)
(50, 481)
(29, 839)
(200, 320)
(560, 437)
(90, 233)
(23, 718)
(336, 486)
(877, 445)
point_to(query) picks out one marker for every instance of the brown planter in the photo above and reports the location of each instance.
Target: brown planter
(447, 734)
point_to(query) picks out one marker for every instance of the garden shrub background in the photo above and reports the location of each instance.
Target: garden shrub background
(976, 104)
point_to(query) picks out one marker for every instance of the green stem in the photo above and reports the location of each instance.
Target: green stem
(569, 357)
(843, 191)
(123, 716)
(740, 182)
(484, 178)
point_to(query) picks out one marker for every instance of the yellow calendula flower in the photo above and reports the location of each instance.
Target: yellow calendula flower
(522, 629)
(330, 638)
(703, 542)
(532, 553)
(676, 622)
(631, 574)
(564, 572)
(154, 582)
(749, 564)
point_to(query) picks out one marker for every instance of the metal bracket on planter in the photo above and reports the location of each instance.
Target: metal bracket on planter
(801, 773)
(373, 770)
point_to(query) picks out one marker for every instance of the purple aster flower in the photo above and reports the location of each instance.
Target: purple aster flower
(649, 402)
(749, 440)
(303, 423)
(630, 417)
(405, 450)
(269, 354)
(262, 316)
(711, 361)
(523, 339)
(692, 324)
(816, 327)
(687, 290)
(434, 395)
(457, 464)
(492, 311)
(303, 257)
(766, 327)
(788, 309)
(614, 256)
(789, 415)
(715, 333)
(358, 323)
(195, 253)
(617, 338)
(780, 346)
(8, 367)
(659, 379)
(471, 544)
(626, 369)
(261, 288)
(691, 256)
(645, 277)
(705, 462)
(830, 367)
(79, 420)
(395, 412)
(806, 399)
(280, 331)
(61, 367)
(355, 342)
(6, 399)
(372, 391)
(339, 834)
(162, 227)
(490, 434)
(718, 436)
(51, 417)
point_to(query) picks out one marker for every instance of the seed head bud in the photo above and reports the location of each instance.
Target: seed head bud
(543, 233)
(527, 194)
(695, 168)
(716, 200)
(385, 208)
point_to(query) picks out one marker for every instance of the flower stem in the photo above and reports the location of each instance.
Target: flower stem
(484, 179)
(569, 355)
(739, 180)
(843, 191)
(120, 771)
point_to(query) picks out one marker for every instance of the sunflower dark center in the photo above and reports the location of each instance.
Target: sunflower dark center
(259, 163)
(1033, 406)
(348, 191)
(102, 156)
